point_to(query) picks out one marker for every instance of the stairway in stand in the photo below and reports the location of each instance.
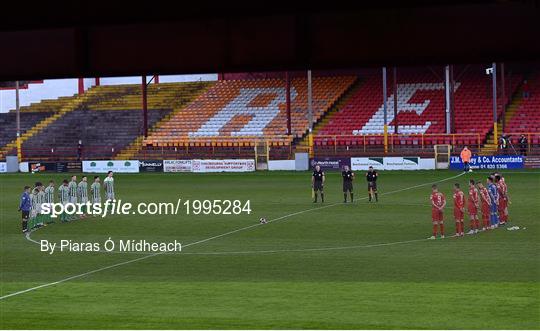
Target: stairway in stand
(490, 147)
(303, 142)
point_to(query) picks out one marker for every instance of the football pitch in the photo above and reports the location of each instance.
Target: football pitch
(317, 266)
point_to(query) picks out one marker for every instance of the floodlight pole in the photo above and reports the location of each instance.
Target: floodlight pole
(452, 100)
(385, 107)
(503, 96)
(18, 111)
(288, 101)
(395, 102)
(144, 107)
(494, 82)
(447, 97)
(310, 113)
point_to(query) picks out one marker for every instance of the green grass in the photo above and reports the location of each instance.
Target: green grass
(488, 281)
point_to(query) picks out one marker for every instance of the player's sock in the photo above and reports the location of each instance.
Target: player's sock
(434, 230)
(457, 229)
(316, 194)
(377, 197)
(25, 225)
(369, 197)
(322, 197)
(344, 197)
(441, 228)
(352, 197)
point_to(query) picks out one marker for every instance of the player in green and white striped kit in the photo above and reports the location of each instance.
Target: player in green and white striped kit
(63, 194)
(82, 190)
(40, 201)
(95, 191)
(49, 198)
(108, 183)
(73, 188)
(33, 219)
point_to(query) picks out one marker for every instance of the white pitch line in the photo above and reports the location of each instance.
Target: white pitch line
(313, 249)
(205, 240)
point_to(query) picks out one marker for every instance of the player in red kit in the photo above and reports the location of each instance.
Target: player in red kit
(438, 202)
(486, 205)
(472, 207)
(503, 198)
(459, 209)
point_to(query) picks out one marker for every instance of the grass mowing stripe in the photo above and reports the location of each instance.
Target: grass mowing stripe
(206, 240)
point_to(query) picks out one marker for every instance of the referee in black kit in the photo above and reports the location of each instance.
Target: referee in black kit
(371, 177)
(348, 177)
(317, 183)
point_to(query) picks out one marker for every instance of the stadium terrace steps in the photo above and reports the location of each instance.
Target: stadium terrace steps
(70, 105)
(159, 96)
(238, 113)
(102, 132)
(95, 100)
(48, 105)
(8, 123)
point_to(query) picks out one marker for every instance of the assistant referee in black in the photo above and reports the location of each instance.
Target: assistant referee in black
(348, 177)
(371, 177)
(317, 183)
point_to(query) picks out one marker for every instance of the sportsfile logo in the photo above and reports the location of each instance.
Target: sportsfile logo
(118, 207)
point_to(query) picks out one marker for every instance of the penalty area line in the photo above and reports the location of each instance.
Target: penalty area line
(206, 240)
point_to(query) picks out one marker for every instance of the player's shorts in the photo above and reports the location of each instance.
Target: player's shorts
(347, 186)
(436, 215)
(318, 185)
(96, 201)
(25, 214)
(111, 196)
(472, 209)
(372, 185)
(458, 214)
(73, 199)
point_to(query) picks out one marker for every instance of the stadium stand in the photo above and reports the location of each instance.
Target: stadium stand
(8, 123)
(239, 113)
(420, 116)
(527, 115)
(230, 118)
(108, 121)
(103, 133)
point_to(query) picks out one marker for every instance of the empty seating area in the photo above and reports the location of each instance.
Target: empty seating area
(103, 134)
(241, 112)
(107, 122)
(159, 96)
(8, 124)
(420, 114)
(527, 116)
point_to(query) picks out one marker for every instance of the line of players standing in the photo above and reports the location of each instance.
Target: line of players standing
(31, 200)
(318, 178)
(492, 200)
